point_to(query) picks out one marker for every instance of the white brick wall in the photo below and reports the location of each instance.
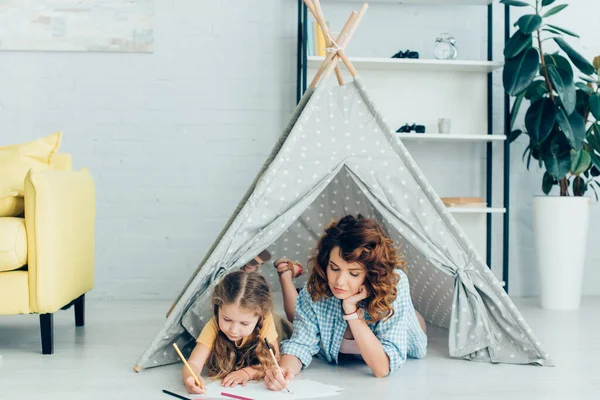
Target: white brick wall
(174, 138)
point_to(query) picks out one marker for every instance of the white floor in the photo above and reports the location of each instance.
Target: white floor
(95, 362)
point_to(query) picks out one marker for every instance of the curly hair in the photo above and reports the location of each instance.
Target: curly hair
(251, 292)
(360, 240)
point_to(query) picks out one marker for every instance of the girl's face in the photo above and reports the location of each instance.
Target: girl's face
(236, 322)
(344, 279)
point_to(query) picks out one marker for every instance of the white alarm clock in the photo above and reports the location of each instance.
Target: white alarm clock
(445, 47)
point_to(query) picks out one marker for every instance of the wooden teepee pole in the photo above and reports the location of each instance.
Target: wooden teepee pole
(344, 42)
(329, 56)
(315, 8)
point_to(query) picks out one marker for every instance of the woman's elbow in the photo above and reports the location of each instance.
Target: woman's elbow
(381, 374)
(381, 371)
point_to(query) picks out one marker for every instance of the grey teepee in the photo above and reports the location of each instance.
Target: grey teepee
(338, 156)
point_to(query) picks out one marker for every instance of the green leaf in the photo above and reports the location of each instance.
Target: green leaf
(594, 171)
(515, 3)
(517, 44)
(558, 159)
(595, 105)
(540, 119)
(584, 87)
(536, 90)
(520, 71)
(563, 30)
(565, 125)
(583, 102)
(593, 138)
(547, 2)
(595, 193)
(580, 161)
(527, 153)
(578, 126)
(580, 62)
(514, 135)
(555, 10)
(515, 110)
(595, 160)
(554, 31)
(547, 183)
(561, 63)
(588, 79)
(565, 89)
(529, 23)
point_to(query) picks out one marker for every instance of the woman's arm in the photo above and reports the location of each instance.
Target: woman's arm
(370, 348)
(369, 345)
(297, 352)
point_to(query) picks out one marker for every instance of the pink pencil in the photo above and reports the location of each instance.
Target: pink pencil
(233, 396)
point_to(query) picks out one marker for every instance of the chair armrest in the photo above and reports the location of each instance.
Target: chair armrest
(60, 212)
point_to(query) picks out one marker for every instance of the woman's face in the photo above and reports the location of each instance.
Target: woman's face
(344, 279)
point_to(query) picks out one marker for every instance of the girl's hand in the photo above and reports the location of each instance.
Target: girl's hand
(192, 387)
(236, 378)
(274, 380)
(350, 303)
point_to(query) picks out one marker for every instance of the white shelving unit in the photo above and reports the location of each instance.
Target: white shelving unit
(476, 210)
(433, 137)
(408, 64)
(438, 2)
(419, 91)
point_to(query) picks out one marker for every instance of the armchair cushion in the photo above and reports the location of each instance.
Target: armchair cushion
(11, 206)
(14, 293)
(16, 160)
(13, 243)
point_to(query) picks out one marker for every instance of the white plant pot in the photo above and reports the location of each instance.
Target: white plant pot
(560, 226)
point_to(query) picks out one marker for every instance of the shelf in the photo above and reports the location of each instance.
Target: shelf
(414, 64)
(477, 210)
(442, 137)
(438, 2)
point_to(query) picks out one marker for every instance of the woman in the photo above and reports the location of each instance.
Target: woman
(356, 301)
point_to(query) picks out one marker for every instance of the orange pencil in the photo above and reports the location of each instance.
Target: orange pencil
(189, 368)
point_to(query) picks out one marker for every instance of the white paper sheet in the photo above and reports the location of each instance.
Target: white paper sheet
(299, 389)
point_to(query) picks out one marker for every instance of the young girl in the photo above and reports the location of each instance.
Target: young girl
(231, 345)
(356, 301)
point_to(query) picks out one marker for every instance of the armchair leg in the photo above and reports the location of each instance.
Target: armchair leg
(47, 330)
(80, 310)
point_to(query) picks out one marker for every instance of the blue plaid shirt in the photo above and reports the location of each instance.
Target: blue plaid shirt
(319, 328)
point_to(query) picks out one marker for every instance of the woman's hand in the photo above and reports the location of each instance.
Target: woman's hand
(238, 377)
(349, 304)
(192, 387)
(275, 380)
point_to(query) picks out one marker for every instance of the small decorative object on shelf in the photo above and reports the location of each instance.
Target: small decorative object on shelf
(409, 128)
(406, 54)
(445, 47)
(444, 125)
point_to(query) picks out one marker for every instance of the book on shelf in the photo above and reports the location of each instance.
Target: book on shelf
(464, 202)
(315, 40)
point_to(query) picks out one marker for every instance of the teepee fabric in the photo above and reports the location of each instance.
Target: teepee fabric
(338, 156)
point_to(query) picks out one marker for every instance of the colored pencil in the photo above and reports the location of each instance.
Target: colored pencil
(233, 396)
(275, 359)
(176, 395)
(188, 367)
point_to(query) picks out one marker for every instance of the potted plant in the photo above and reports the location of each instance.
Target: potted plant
(561, 122)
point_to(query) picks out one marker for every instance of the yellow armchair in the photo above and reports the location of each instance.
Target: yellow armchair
(59, 221)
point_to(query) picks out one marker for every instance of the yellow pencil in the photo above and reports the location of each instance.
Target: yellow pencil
(188, 367)
(275, 359)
